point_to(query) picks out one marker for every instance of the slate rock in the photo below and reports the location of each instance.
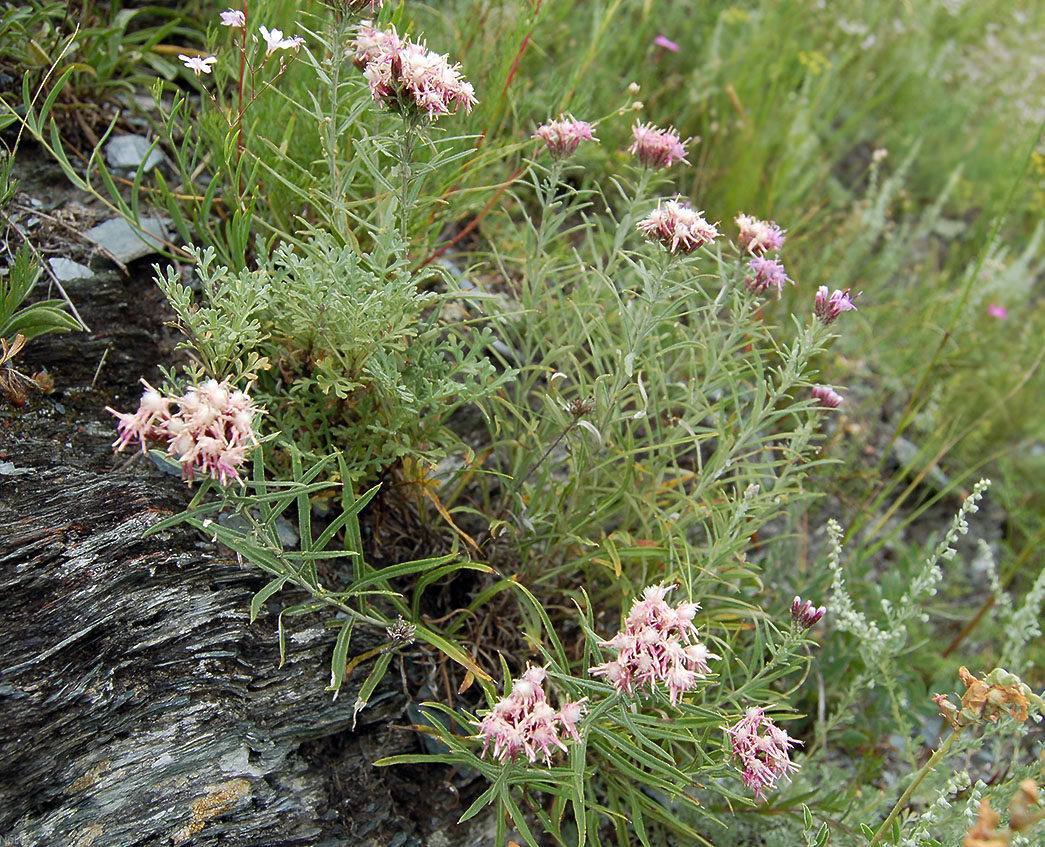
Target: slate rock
(125, 242)
(127, 152)
(67, 270)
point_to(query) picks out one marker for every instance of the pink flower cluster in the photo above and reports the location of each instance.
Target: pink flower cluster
(827, 396)
(657, 148)
(764, 274)
(211, 431)
(759, 237)
(764, 757)
(658, 644)
(564, 136)
(524, 721)
(828, 306)
(405, 74)
(676, 225)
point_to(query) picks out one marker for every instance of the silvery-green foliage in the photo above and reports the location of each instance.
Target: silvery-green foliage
(347, 350)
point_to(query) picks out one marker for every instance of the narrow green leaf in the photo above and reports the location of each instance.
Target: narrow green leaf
(377, 673)
(340, 659)
(259, 599)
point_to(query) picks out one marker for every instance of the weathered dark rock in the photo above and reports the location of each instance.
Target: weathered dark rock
(139, 705)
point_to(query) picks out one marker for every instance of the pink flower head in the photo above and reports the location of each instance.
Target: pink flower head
(656, 147)
(405, 74)
(233, 17)
(274, 41)
(666, 43)
(827, 396)
(212, 431)
(676, 225)
(524, 721)
(198, 64)
(996, 311)
(828, 306)
(758, 237)
(764, 274)
(369, 43)
(564, 136)
(658, 644)
(764, 757)
(804, 615)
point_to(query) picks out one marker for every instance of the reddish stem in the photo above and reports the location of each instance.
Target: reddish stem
(435, 254)
(521, 50)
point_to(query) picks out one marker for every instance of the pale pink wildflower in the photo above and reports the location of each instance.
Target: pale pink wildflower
(828, 306)
(758, 237)
(676, 225)
(996, 311)
(524, 721)
(233, 17)
(564, 136)
(656, 147)
(666, 43)
(764, 274)
(369, 43)
(212, 430)
(198, 64)
(764, 757)
(804, 615)
(274, 41)
(827, 396)
(658, 644)
(403, 73)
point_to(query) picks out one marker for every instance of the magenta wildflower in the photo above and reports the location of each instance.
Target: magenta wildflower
(212, 431)
(758, 237)
(523, 721)
(764, 274)
(828, 306)
(658, 644)
(198, 64)
(827, 396)
(804, 615)
(765, 758)
(676, 225)
(564, 136)
(666, 43)
(407, 74)
(656, 147)
(233, 17)
(996, 311)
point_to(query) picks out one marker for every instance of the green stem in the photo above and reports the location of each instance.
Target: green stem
(926, 769)
(406, 176)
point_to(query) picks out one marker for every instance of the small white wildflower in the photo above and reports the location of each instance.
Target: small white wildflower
(197, 64)
(233, 17)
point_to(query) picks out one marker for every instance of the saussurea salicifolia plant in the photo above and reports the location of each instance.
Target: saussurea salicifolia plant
(648, 447)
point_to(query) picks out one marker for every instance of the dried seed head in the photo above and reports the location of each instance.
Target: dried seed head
(581, 407)
(401, 632)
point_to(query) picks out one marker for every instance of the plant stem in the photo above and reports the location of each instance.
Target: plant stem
(239, 92)
(926, 769)
(406, 175)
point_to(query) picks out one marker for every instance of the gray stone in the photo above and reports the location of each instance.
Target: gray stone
(125, 242)
(67, 270)
(127, 152)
